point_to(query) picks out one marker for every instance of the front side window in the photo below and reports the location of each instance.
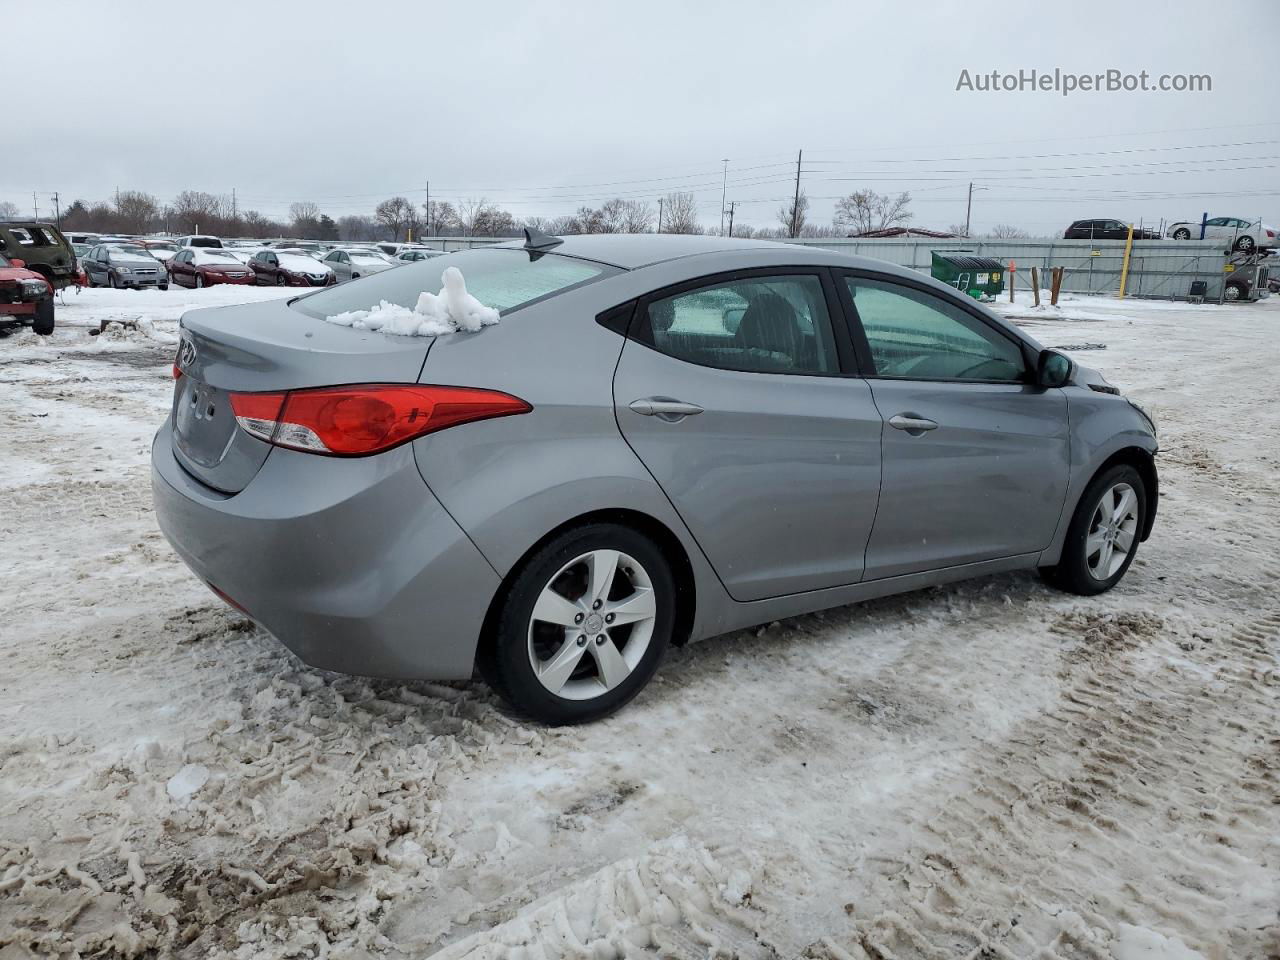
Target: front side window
(917, 336)
(764, 324)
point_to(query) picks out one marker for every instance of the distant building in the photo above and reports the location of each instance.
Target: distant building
(907, 233)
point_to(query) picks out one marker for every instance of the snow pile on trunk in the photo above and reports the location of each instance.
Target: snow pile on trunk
(450, 310)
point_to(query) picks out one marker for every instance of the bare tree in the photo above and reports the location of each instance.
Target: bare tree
(398, 215)
(135, 211)
(8, 210)
(559, 226)
(637, 216)
(492, 221)
(441, 217)
(305, 219)
(195, 210)
(865, 210)
(590, 220)
(959, 229)
(793, 220)
(357, 228)
(1006, 231)
(680, 214)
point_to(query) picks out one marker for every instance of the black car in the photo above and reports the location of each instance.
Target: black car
(1106, 230)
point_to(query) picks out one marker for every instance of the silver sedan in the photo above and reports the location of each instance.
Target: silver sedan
(662, 439)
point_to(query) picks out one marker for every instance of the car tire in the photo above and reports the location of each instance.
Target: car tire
(111, 281)
(1244, 245)
(281, 281)
(199, 281)
(1236, 292)
(164, 286)
(42, 324)
(1089, 564)
(1182, 234)
(556, 675)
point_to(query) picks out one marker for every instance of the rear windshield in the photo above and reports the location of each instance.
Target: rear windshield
(503, 279)
(205, 242)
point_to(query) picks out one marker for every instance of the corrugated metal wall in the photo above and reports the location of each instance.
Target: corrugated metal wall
(1157, 268)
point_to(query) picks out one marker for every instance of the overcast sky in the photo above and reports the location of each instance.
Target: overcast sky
(544, 106)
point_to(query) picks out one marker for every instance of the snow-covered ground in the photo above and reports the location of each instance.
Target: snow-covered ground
(990, 769)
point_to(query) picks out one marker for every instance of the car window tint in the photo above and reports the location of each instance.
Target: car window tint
(918, 336)
(758, 324)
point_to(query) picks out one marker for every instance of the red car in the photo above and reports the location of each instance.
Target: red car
(25, 297)
(204, 267)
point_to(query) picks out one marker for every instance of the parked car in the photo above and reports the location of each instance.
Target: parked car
(193, 240)
(160, 249)
(88, 239)
(278, 268)
(42, 247)
(25, 297)
(126, 267)
(1106, 230)
(352, 263)
(1243, 235)
(611, 471)
(206, 267)
(306, 246)
(415, 254)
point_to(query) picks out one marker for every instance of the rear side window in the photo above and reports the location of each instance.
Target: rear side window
(503, 279)
(918, 336)
(757, 324)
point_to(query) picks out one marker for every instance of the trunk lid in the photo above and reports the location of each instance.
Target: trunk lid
(266, 347)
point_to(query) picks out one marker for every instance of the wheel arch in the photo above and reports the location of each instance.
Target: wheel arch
(657, 531)
(1145, 463)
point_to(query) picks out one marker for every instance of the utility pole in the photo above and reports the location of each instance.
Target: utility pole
(968, 209)
(732, 204)
(724, 187)
(795, 206)
(117, 199)
(659, 230)
(233, 203)
(427, 206)
(57, 210)
(35, 206)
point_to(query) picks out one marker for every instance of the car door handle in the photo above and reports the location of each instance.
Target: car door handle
(912, 424)
(665, 408)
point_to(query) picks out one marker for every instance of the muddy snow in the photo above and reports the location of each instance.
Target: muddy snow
(990, 769)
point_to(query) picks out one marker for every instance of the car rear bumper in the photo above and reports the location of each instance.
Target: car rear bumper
(351, 563)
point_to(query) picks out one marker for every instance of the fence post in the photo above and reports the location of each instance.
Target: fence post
(1035, 284)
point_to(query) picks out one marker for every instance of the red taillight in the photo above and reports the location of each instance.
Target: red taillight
(366, 418)
(177, 371)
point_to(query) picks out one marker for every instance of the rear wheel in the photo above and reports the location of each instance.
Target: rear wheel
(1104, 533)
(582, 626)
(43, 322)
(1182, 234)
(1244, 244)
(1236, 291)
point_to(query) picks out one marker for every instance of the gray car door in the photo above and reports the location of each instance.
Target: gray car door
(976, 457)
(734, 393)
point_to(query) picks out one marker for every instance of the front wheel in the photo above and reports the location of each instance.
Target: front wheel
(1244, 245)
(281, 281)
(1104, 533)
(1182, 234)
(1236, 291)
(199, 281)
(582, 626)
(42, 324)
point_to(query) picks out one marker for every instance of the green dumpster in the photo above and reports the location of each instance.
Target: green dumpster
(976, 276)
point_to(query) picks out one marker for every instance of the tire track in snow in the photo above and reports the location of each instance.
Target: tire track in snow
(1045, 848)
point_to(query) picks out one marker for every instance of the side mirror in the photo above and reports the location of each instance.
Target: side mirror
(1053, 369)
(19, 264)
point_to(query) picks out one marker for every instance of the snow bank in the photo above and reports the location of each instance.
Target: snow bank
(450, 310)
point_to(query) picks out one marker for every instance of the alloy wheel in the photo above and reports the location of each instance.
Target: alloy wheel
(591, 624)
(1112, 531)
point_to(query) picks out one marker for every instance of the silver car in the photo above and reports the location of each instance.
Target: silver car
(663, 439)
(354, 263)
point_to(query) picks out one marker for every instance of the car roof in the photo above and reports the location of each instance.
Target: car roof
(634, 250)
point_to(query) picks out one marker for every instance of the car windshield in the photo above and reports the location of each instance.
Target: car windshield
(503, 279)
(125, 251)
